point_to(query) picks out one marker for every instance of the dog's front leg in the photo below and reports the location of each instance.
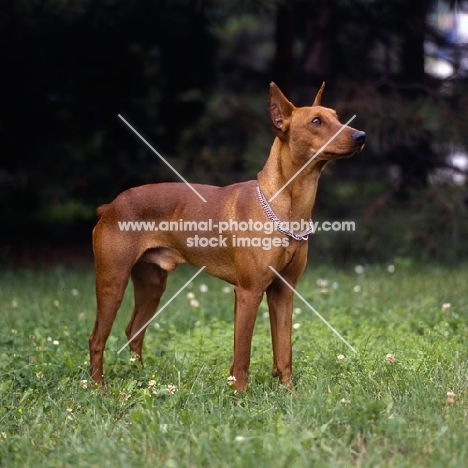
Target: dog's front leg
(280, 303)
(280, 299)
(245, 313)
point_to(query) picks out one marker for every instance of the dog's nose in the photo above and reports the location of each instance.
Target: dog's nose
(359, 137)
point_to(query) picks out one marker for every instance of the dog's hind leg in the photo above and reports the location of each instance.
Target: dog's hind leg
(112, 275)
(149, 282)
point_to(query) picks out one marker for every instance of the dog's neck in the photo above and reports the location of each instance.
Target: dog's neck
(297, 199)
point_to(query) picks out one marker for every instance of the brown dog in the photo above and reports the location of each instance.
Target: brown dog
(148, 255)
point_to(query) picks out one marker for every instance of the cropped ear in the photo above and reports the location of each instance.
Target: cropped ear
(280, 109)
(318, 98)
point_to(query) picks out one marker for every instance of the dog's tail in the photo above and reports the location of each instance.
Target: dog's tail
(100, 210)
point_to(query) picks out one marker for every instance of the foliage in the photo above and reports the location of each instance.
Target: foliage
(362, 409)
(431, 225)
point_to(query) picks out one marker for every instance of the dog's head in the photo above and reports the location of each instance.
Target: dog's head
(315, 131)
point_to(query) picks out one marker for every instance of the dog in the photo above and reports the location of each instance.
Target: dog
(307, 138)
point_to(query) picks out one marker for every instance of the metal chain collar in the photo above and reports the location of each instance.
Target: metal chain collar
(280, 226)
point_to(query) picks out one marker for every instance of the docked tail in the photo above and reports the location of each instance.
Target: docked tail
(100, 210)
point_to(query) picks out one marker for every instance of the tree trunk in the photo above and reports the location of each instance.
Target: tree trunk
(284, 62)
(412, 52)
(318, 63)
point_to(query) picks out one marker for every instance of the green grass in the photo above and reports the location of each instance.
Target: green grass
(361, 412)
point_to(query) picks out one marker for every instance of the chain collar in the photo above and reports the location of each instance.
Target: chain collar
(280, 226)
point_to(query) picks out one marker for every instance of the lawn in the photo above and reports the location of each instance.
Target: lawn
(385, 405)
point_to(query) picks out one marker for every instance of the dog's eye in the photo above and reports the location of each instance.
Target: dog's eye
(316, 121)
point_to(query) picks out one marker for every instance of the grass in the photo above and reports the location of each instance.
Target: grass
(360, 411)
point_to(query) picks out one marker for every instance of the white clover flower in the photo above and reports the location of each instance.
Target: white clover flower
(450, 398)
(56, 303)
(446, 307)
(55, 342)
(322, 283)
(125, 396)
(194, 303)
(391, 268)
(190, 295)
(231, 379)
(227, 289)
(390, 358)
(340, 357)
(171, 389)
(84, 384)
(357, 288)
(69, 416)
(297, 310)
(203, 288)
(152, 386)
(296, 326)
(359, 269)
(75, 292)
(239, 438)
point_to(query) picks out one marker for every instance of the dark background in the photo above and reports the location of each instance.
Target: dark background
(193, 77)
